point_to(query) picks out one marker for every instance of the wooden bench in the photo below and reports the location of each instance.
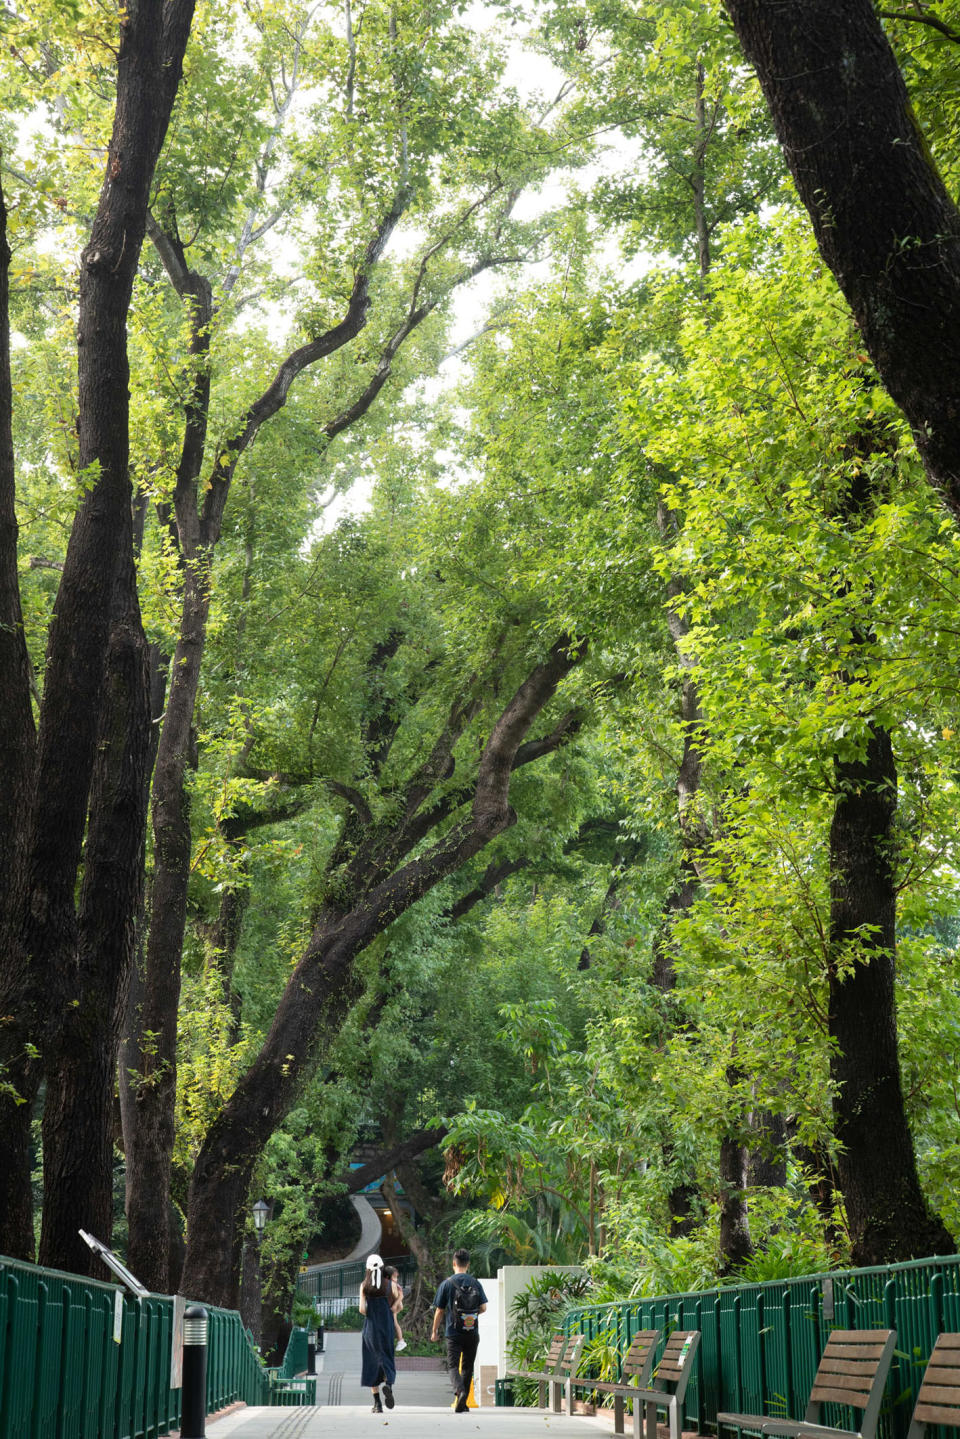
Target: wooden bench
(559, 1367)
(938, 1400)
(669, 1386)
(637, 1364)
(852, 1371)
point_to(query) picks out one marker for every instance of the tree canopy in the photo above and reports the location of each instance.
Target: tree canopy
(478, 594)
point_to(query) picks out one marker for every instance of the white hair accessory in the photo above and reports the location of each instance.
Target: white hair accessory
(375, 1266)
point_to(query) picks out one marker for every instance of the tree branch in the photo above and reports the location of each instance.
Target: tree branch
(353, 797)
(274, 397)
(918, 18)
(381, 1164)
(561, 734)
(491, 812)
(494, 875)
(413, 319)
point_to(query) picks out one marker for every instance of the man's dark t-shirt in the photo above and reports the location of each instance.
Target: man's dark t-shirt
(444, 1300)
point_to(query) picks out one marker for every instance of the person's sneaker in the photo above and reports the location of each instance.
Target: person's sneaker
(388, 1398)
(377, 1406)
(461, 1406)
(400, 1344)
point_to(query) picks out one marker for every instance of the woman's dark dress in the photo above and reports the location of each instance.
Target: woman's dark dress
(378, 1365)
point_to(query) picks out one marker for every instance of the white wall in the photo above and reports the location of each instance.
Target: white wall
(489, 1322)
(510, 1282)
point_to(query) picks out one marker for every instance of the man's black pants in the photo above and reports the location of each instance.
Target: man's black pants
(461, 1353)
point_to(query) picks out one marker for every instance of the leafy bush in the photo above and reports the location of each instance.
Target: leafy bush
(536, 1315)
(349, 1319)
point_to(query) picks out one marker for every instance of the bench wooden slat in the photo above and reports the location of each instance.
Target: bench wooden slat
(607, 1385)
(869, 1348)
(938, 1401)
(942, 1374)
(936, 1414)
(860, 1382)
(837, 1394)
(938, 1394)
(836, 1364)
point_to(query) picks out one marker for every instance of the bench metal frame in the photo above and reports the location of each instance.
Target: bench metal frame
(637, 1364)
(674, 1369)
(853, 1370)
(556, 1377)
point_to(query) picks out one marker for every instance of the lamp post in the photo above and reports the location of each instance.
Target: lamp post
(261, 1212)
(250, 1288)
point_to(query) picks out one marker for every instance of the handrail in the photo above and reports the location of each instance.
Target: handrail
(84, 1358)
(336, 1284)
(761, 1342)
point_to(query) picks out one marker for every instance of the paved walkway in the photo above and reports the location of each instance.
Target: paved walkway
(423, 1410)
(416, 1423)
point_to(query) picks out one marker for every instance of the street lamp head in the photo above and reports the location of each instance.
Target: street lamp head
(260, 1213)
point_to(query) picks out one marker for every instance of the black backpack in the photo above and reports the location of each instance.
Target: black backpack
(467, 1300)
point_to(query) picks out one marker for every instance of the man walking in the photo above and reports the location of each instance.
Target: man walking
(461, 1300)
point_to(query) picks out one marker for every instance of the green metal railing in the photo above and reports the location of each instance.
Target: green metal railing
(761, 1342)
(342, 1282)
(64, 1375)
(295, 1358)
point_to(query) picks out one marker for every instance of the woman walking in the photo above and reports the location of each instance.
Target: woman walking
(378, 1301)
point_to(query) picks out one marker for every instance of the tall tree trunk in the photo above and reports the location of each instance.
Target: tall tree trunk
(767, 1164)
(80, 1058)
(883, 219)
(41, 992)
(887, 1214)
(198, 527)
(17, 741)
(322, 986)
(251, 1287)
(736, 1245)
(152, 1134)
(131, 1059)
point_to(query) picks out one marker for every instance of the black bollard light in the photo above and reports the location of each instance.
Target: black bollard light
(193, 1412)
(311, 1352)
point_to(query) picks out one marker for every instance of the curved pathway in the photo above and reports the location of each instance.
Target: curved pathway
(368, 1243)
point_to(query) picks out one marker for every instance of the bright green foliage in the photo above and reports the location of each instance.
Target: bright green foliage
(728, 384)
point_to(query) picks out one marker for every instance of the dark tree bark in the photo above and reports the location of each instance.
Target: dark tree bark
(395, 1157)
(736, 1245)
(887, 1214)
(883, 219)
(251, 1287)
(372, 868)
(768, 1150)
(80, 1056)
(39, 981)
(17, 742)
(430, 1269)
(493, 877)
